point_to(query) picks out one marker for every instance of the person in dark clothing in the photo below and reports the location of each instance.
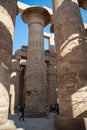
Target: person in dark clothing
(18, 111)
(22, 109)
(57, 108)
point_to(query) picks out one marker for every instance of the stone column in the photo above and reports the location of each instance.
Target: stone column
(71, 65)
(12, 99)
(14, 86)
(36, 92)
(22, 85)
(51, 90)
(8, 10)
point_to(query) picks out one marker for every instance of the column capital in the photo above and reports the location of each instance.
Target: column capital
(36, 14)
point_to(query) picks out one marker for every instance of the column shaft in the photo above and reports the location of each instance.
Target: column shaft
(8, 10)
(71, 58)
(35, 69)
(71, 65)
(51, 90)
(36, 91)
(14, 86)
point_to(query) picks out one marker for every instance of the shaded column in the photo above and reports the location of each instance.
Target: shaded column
(51, 89)
(71, 65)
(36, 92)
(8, 10)
(22, 85)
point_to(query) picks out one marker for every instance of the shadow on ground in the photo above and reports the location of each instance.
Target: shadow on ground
(34, 123)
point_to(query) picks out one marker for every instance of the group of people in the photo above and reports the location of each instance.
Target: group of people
(21, 110)
(48, 109)
(52, 108)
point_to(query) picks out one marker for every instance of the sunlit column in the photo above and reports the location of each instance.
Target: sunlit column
(71, 59)
(8, 10)
(36, 93)
(12, 98)
(14, 86)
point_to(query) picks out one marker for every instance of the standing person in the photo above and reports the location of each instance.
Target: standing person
(18, 111)
(47, 109)
(57, 108)
(22, 109)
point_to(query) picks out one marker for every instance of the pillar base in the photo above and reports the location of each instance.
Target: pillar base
(9, 125)
(67, 123)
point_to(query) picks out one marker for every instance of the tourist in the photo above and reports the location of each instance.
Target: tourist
(47, 110)
(22, 109)
(18, 111)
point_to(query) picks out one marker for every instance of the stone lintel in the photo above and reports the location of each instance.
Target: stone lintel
(22, 6)
(46, 35)
(36, 10)
(69, 123)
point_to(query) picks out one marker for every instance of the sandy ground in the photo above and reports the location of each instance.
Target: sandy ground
(34, 123)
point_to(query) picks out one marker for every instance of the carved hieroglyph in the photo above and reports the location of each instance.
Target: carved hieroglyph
(36, 93)
(71, 58)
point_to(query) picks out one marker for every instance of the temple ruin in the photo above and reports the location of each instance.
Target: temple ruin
(37, 77)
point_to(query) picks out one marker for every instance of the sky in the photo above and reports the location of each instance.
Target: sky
(21, 29)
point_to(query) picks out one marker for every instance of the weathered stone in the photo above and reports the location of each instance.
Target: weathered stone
(7, 19)
(9, 125)
(52, 83)
(71, 60)
(49, 60)
(71, 63)
(69, 123)
(83, 3)
(14, 86)
(36, 92)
